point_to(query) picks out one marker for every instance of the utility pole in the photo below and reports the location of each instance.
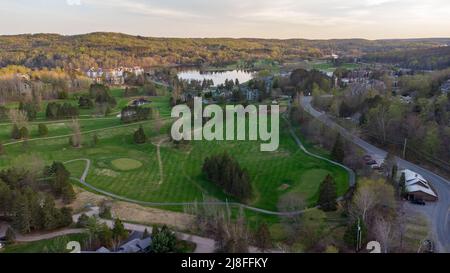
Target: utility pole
(404, 148)
(358, 237)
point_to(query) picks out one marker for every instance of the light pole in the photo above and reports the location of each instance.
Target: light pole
(358, 237)
(404, 148)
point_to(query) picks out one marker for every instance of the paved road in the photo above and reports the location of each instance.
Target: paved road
(440, 212)
(204, 245)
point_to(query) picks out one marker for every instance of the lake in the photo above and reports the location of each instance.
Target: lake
(218, 77)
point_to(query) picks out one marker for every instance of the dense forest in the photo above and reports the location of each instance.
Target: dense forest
(110, 50)
(424, 59)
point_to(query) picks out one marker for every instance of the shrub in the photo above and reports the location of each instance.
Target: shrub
(43, 130)
(139, 136)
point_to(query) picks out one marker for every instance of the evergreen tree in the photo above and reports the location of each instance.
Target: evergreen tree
(95, 140)
(21, 214)
(34, 206)
(43, 130)
(146, 234)
(15, 132)
(338, 153)
(394, 172)
(402, 184)
(82, 221)
(351, 234)
(65, 217)
(105, 236)
(119, 232)
(164, 241)
(24, 133)
(328, 194)
(226, 172)
(68, 194)
(48, 214)
(139, 136)
(10, 236)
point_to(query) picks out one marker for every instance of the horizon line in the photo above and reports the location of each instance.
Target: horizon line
(221, 37)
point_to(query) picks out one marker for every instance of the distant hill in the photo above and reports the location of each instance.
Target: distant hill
(425, 59)
(115, 49)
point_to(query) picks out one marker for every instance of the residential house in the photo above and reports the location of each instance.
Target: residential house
(445, 87)
(417, 187)
(136, 246)
(140, 102)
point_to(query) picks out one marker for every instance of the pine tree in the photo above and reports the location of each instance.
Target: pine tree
(82, 221)
(338, 153)
(48, 213)
(24, 133)
(328, 194)
(139, 136)
(146, 234)
(164, 241)
(119, 232)
(394, 172)
(65, 217)
(351, 234)
(10, 236)
(22, 215)
(68, 194)
(15, 132)
(402, 184)
(43, 130)
(95, 140)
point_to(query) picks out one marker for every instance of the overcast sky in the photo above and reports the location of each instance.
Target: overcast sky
(321, 19)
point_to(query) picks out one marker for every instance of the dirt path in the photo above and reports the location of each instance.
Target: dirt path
(158, 154)
(83, 133)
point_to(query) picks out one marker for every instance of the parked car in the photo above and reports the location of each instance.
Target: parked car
(418, 202)
(429, 246)
(367, 158)
(371, 162)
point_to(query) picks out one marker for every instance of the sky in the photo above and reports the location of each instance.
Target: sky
(310, 19)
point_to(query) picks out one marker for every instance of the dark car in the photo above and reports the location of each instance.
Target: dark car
(371, 162)
(418, 202)
(367, 158)
(429, 246)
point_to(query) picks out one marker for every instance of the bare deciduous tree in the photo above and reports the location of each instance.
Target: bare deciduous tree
(76, 138)
(371, 193)
(383, 233)
(18, 117)
(158, 122)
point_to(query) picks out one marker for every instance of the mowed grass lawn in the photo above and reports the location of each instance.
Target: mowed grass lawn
(273, 174)
(54, 245)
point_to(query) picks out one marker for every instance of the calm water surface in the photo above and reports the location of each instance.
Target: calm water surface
(218, 77)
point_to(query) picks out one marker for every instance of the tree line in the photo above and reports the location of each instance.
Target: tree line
(226, 172)
(29, 202)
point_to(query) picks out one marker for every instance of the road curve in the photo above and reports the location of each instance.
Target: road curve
(441, 213)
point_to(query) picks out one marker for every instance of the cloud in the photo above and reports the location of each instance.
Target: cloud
(73, 2)
(153, 8)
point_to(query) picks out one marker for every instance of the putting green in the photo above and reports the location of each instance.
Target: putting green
(126, 164)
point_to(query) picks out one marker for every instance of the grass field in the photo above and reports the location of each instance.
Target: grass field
(54, 245)
(116, 162)
(329, 67)
(126, 164)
